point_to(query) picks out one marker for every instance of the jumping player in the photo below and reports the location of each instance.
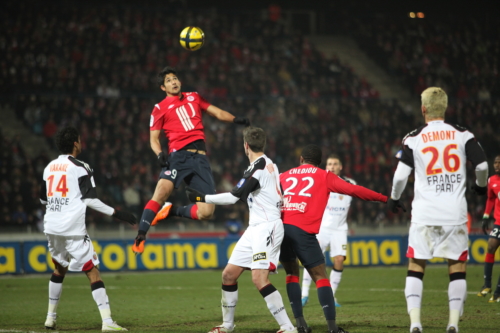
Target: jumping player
(180, 116)
(438, 152)
(67, 190)
(333, 232)
(259, 247)
(494, 239)
(306, 192)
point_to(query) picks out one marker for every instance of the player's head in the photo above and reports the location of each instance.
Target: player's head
(311, 154)
(254, 139)
(68, 141)
(333, 164)
(169, 82)
(496, 165)
(434, 103)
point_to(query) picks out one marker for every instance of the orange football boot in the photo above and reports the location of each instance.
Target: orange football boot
(138, 249)
(162, 214)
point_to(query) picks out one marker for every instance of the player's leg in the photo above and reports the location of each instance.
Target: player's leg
(55, 290)
(274, 301)
(288, 259)
(57, 248)
(414, 287)
(338, 252)
(457, 292)
(324, 241)
(266, 241)
(151, 213)
(489, 260)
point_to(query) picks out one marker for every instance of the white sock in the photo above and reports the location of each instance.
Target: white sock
(102, 301)
(456, 297)
(306, 283)
(55, 291)
(277, 308)
(335, 277)
(413, 293)
(228, 302)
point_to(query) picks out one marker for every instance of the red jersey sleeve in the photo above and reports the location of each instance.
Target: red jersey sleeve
(490, 202)
(203, 103)
(156, 121)
(335, 184)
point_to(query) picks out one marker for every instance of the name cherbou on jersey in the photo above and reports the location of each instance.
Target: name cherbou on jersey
(301, 171)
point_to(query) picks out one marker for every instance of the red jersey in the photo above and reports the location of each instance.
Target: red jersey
(306, 190)
(180, 118)
(493, 197)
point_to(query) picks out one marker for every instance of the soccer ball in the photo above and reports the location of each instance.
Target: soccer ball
(192, 38)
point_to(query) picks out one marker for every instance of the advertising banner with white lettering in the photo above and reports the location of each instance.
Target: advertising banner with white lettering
(207, 253)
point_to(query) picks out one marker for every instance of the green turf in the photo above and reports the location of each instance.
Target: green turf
(372, 301)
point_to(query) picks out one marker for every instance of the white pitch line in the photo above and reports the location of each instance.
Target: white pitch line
(25, 331)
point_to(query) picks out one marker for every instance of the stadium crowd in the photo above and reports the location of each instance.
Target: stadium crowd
(95, 68)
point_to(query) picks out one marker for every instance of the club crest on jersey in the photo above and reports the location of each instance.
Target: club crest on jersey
(190, 98)
(95, 256)
(168, 172)
(240, 183)
(341, 197)
(260, 256)
(170, 106)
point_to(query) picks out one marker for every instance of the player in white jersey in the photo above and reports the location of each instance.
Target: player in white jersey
(259, 247)
(438, 152)
(68, 188)
(333, 232)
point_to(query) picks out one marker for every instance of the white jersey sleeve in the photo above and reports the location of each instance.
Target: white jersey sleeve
(337, 208)
(67, 181)
(438, 152)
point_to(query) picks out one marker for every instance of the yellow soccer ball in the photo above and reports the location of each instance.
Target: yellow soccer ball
(192, 38)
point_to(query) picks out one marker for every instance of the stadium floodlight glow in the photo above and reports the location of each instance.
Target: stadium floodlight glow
(411, 15)
(420, 15)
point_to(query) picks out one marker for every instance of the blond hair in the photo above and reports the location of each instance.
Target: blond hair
(435, 101)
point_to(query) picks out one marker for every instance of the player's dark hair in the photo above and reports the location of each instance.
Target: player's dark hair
(164, 72)
(256, 138)
(312, 154)
(334, 156)
(66, 138)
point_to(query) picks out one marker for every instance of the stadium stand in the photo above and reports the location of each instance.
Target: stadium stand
(95, 68)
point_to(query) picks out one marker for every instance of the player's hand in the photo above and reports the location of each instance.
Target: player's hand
(139, 242)
(478, 189)
(125, 216)
(162, 160)
(394, 205)
(241, 121)
(486, 224)
(194, 196)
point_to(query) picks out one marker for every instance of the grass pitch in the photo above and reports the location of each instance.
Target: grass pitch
(189, 301)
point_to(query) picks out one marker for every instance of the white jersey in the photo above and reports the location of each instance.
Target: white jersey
(67, 181)
(335, 215)
(260, 188)
(438, 154)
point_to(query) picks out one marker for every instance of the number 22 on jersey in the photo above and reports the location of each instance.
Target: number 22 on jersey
(451, 162)
(295, 182)
(61, 186)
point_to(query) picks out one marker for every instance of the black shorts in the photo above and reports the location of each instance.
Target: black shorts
(495, 232)
(299, 244)
(192, 168)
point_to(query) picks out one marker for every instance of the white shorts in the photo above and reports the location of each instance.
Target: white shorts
(259, 247)
(449, 242)
(336, 240)
(77, 252)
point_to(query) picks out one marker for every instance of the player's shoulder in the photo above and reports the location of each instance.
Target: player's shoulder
(414, 133)
(459, 128)
(255, 166)
(349, 180)
(80, 164)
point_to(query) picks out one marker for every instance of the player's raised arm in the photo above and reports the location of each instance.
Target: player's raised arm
(226, 116)
(338, 185)
(476, 155)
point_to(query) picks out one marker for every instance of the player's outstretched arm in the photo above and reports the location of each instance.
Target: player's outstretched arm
(338, 185)
(101, 207)
(226, 116)
(216, 199)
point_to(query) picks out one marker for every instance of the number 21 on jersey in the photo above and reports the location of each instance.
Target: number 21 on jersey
(61, 186)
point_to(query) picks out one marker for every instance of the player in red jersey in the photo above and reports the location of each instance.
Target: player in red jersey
(306, 192)
(494, 239)
(179, 115)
